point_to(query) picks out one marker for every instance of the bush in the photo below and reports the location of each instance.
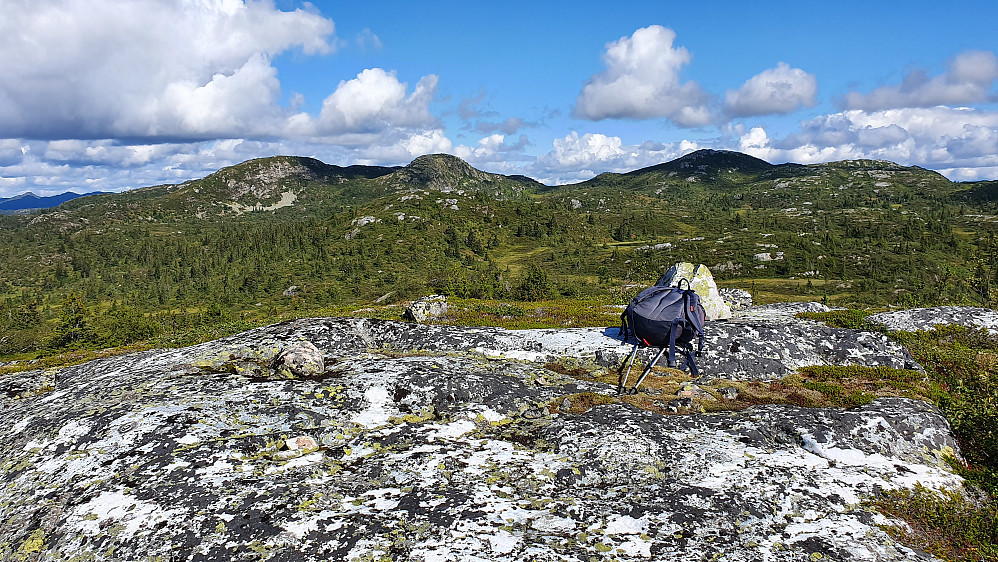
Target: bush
(534, 285)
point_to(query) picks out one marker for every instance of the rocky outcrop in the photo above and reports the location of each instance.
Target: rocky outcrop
(702, 282)
(419, 442)
(916, 319)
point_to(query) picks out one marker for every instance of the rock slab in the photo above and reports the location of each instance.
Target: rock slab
(920, 319)
(450, 453)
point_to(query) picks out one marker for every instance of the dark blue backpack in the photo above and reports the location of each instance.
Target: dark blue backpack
(664, 317)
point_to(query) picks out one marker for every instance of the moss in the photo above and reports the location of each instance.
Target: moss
(580, 403)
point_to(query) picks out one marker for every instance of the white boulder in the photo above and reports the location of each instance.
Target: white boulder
(702, 282)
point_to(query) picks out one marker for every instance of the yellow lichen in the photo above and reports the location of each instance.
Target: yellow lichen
(34, 543)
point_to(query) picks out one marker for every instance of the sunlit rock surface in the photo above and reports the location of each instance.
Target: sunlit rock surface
(916, 319)
(413, 444)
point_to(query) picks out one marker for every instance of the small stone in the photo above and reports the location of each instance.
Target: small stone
(304, 443)
(291, 291)
(735, 298)
(680, 403)
(694, 391)
(728, 392)
(536, 413)
(566, 405)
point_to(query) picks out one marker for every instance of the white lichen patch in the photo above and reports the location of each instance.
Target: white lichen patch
(126, 513)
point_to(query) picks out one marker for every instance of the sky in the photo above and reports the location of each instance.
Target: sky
(108, 95)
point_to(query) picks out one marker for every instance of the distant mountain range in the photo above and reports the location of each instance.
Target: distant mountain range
(29, 201)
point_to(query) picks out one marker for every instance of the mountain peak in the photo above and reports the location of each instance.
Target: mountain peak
(439, 171)
(709, 161)
(446, 164)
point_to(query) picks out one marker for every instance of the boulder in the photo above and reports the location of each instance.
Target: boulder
(702, 282)
(425, 308)
(302, 359)
(451, 450)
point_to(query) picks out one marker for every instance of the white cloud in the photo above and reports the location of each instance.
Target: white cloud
(494, 154)
(641, 81)
(146, 68)
(574, 151)
(376, 100)
(968, 79)
(575, 158)
(107, 152)
(961, 142)
(49, 167)
(776, 90)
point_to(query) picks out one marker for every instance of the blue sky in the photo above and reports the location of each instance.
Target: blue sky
(111, 95)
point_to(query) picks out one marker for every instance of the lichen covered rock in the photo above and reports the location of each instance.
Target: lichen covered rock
(425, 442)
(702, 282)
(425, 308)
(916, 319)
(735, 298)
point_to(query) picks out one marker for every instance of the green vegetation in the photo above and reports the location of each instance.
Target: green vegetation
(948, 525)
(964, 363)
(851, 318)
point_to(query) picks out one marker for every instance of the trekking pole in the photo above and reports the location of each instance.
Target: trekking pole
(648, 369)
(622, 381)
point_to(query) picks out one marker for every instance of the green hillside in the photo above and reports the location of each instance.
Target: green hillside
(229, 247)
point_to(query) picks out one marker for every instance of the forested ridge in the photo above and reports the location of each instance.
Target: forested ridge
(294, 236)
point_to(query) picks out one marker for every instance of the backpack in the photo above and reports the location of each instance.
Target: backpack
(663, 317)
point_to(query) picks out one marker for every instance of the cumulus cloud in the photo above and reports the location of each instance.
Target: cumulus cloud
(146, 68)
(49, 167)
(375, 100)
(778, 90)
(968, 79)
(641, 81)
(494, 153)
